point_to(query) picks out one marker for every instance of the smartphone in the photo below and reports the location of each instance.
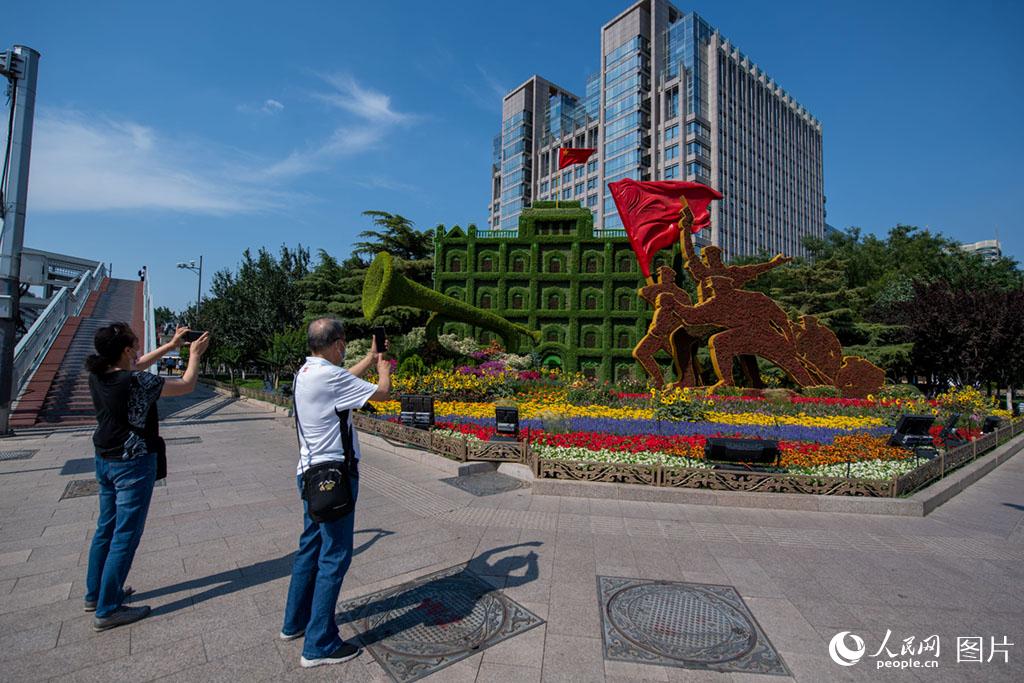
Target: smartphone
(380, 338)
(192, 335)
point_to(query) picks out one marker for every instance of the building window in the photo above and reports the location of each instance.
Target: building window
(590, 340)
(671, 152)
(590, 303)
(592, 200)
(555, 265)
(592, 183)
(551, 336)
(592, 166)
(671, 133)
(517, 301)
(485, 300)
(624, 302)
(672, 172)
(518, 264)
(456, 264)
(623, 340)
(591, 264)
(672, 104)
(553, 302)
(487, 264)
(624, 263)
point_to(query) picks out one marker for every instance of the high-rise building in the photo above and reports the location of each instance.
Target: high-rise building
(673, 99)
(990, 250)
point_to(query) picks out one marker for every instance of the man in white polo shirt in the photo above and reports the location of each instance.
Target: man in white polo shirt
(325, 395)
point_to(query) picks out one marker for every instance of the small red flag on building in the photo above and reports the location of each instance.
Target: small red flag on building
(567, 156)
(651, 211)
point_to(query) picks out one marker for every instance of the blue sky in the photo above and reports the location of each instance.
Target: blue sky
(169, 130)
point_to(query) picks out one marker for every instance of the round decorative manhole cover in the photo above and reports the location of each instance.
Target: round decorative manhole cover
(443, 618)
(681, 622)
(419, 627)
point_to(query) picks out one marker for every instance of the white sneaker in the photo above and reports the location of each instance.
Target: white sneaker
(344, 653)
(293, 636)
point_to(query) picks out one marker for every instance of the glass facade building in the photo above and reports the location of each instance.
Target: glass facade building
(673, 99)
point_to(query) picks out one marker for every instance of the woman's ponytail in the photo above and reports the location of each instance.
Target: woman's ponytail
(110, 342)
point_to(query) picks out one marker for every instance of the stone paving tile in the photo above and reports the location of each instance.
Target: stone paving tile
(502, 673)
(146, 666)
(572, 658)
(215, 562)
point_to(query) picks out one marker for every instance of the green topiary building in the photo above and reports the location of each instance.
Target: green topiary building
(555, 274)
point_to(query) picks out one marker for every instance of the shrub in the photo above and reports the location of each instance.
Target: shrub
(821, 391)
(777, 396)
(412, 365)
(899, 391)
(729, 391)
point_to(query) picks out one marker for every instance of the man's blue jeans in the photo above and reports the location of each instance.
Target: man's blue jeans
(324, 555)
(126, 487)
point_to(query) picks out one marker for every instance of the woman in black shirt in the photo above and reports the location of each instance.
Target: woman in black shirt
(126, 441)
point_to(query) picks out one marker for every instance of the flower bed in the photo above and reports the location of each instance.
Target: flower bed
(583, 424)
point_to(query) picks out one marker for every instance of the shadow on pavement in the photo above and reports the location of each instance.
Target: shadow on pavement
(419, 607)
(234, 580)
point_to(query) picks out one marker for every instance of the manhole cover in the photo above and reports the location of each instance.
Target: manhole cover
(422, 626)
(78, 488)
(184, 439)
(17, 455)
(486, 484)
(690, 625)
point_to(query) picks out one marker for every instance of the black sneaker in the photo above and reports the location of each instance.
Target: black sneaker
(90, 605)
(344, 653)
(123, 616)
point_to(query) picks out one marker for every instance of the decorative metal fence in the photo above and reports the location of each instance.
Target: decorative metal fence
(463, 450)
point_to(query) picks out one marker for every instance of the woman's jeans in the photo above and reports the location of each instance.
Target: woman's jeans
(324, 555)
(126, 487)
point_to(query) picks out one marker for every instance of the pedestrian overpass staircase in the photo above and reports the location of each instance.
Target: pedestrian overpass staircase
(51, 382)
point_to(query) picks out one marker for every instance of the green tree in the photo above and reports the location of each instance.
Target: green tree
(248, 306)
(163, 315)
(335, 288)
(285, 353)
(230, 356)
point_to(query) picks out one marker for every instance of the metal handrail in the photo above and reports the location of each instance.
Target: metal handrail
(148, 321)
(34, 345)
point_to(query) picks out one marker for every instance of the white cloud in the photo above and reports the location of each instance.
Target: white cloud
(82, 163)
(375, 118)
(369, 105)
(271, 106)
(90, 164)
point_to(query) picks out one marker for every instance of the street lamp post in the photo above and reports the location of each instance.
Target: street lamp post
(198, 270)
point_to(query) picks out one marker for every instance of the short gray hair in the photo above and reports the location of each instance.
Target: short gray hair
(323, 332)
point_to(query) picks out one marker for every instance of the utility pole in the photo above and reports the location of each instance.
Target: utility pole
(191, 265)
(20, 65)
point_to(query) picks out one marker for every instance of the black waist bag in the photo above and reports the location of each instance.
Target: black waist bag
(327, 491)
(326, 487)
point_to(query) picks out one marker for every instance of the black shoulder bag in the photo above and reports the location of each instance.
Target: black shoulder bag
(325, 487)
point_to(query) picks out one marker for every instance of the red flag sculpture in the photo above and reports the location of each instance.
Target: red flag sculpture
(651, 211)
(567, 156)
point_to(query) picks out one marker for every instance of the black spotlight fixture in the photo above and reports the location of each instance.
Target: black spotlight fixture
(733, 453)
(990, 424)
(913, 432)
(506, 424)
(417, 411)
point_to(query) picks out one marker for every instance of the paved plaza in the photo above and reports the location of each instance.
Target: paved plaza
(216, 555)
